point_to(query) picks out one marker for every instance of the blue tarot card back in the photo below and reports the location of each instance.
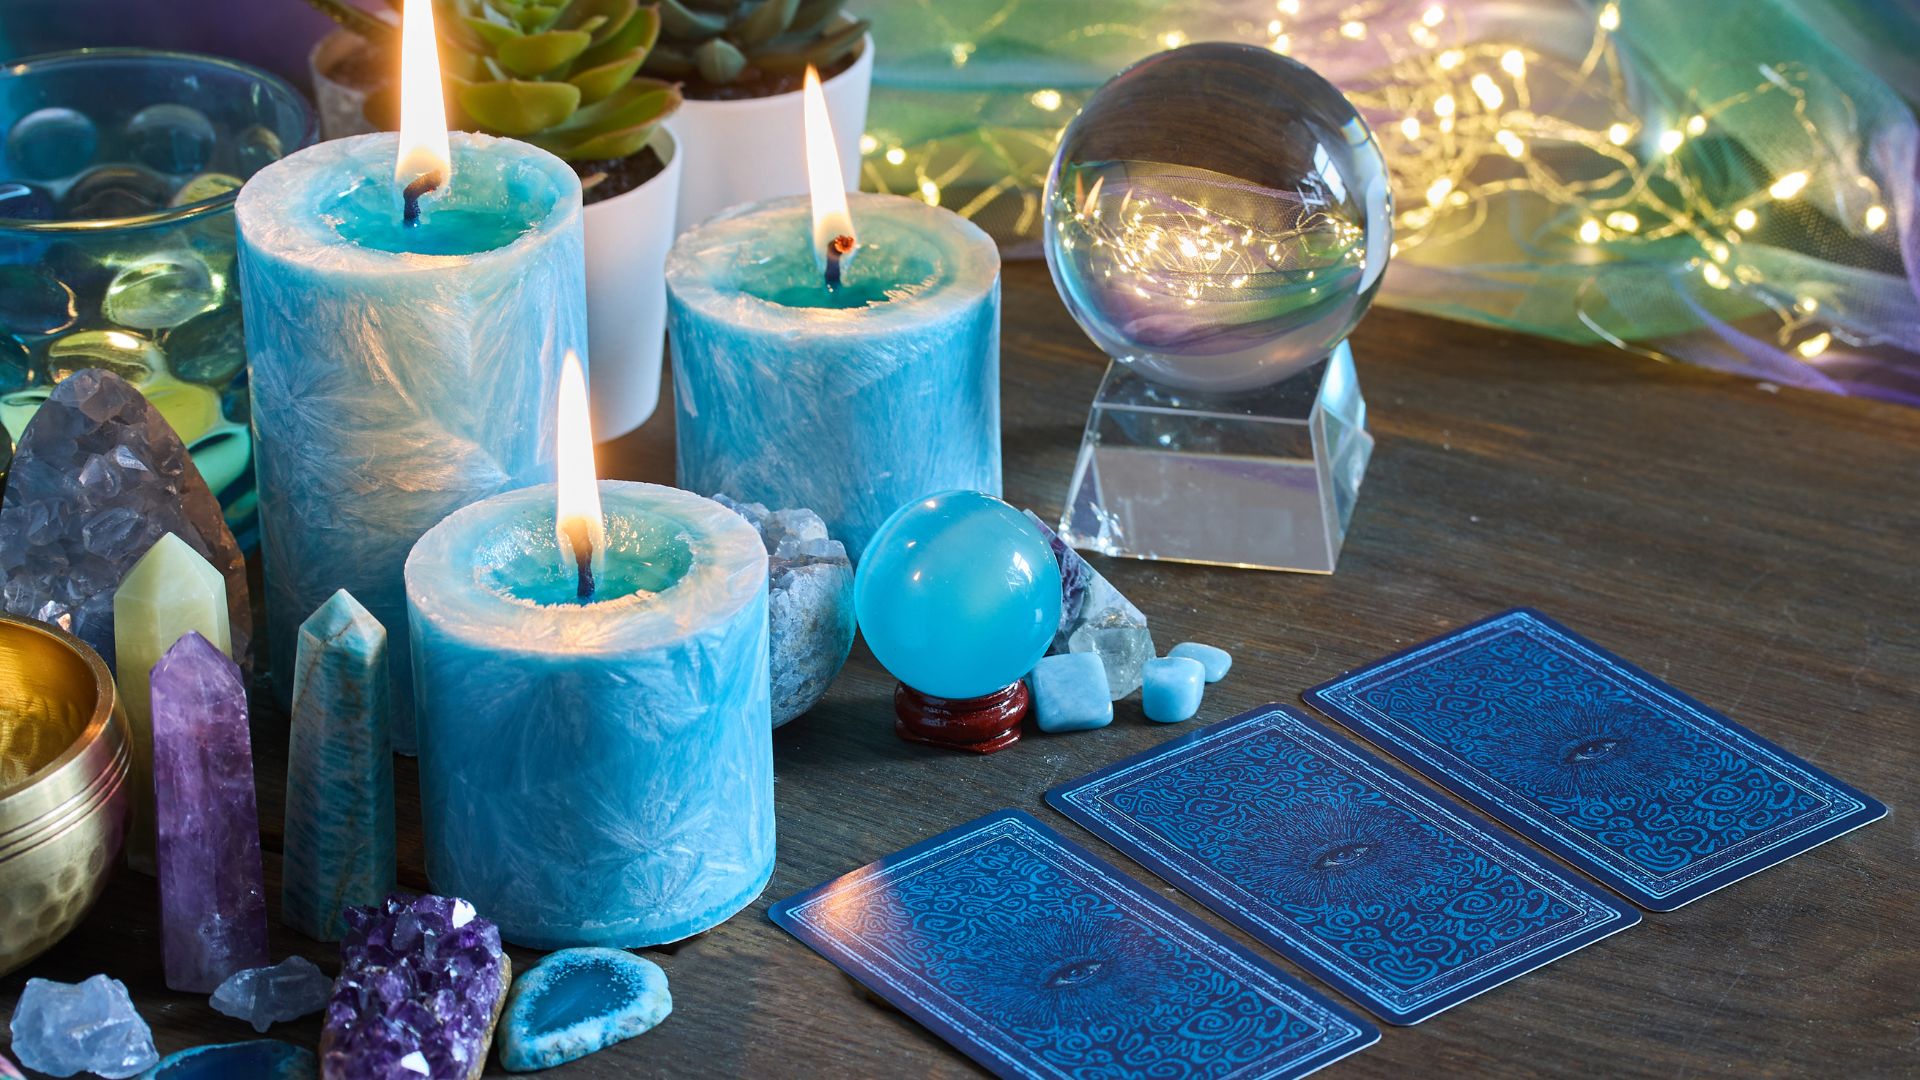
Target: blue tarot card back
(1654, 794)
(1341, 862)
(1036, 959)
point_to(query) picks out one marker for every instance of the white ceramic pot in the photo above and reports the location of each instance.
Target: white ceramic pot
(627, 241)
(755, 148)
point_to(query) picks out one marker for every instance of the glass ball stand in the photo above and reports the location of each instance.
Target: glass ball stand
(1262, 479)
(1218, 220)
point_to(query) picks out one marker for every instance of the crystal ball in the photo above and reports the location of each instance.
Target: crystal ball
(958, 595)
(1218, 217)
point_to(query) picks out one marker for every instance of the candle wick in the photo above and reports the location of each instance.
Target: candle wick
(421, 185)
(837, 250)
(576, 530)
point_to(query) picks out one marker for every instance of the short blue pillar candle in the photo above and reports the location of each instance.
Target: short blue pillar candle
(595, 772)
(853, 401)
(398, 373)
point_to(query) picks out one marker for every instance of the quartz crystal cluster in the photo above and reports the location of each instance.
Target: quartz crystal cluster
(99, 476)
(65, 1028)
(1095, 618)
(809, 604)
(422, 981)
(265, 996)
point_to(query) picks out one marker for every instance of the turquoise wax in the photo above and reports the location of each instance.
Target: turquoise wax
(398, 373)
(595, 773)
(521, 560)
(849, 402)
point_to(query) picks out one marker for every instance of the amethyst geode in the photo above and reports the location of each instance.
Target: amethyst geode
(421, 983)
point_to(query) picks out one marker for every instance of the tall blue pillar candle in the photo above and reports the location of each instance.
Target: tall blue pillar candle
(595, 772)
(851, 401)
(398, 373)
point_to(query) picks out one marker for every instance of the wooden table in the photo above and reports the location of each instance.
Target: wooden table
(1756, 547)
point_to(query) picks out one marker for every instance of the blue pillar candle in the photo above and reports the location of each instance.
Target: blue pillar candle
(595, 772)
(852, 401)
(398, 373)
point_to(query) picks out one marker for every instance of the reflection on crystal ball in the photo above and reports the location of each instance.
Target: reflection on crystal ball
(1218, 217)
(957, 594)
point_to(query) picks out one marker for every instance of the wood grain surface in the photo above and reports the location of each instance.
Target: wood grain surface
(1755, 547)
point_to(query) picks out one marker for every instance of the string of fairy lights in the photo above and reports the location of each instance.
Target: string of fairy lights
(1470, 128)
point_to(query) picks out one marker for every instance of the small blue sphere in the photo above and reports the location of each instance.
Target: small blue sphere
(958, 594)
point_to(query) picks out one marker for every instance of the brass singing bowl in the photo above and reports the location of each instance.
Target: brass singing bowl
(63, 785)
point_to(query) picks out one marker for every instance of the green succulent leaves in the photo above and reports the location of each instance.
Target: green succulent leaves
(718, 41)
(561, 74)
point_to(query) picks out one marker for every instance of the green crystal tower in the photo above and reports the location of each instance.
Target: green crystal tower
(339, 824)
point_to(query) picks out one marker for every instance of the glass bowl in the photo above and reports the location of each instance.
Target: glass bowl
(118, 170)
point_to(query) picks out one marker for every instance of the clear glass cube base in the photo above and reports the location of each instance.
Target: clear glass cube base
(1265, 479)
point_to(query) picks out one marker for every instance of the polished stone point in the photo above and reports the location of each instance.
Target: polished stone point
(1095, 618)
(1076, 576)
(1172, 690)
(339, 819)
(422, 981)
(809, 604)
(1070, 693)
(1216, 660)
(213, 905)
(578, 1001)
(66, 1028)
(257, 1059)
(8, 1070)
(98, 476)
(265, 996)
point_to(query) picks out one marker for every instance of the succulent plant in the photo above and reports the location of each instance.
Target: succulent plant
(563, 75)
(721, 41)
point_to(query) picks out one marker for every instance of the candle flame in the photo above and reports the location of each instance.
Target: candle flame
(577, 498)
(831, 222)
(423, 111)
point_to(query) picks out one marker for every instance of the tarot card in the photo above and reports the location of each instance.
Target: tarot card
(1036, 959)
(1652, 793)
(1341, 862)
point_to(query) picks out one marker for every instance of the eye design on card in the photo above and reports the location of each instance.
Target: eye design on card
(1584, 749)
(1342, 855)
(1590, 750)
(1076, 973)
(1337, 855)
(1062, 970)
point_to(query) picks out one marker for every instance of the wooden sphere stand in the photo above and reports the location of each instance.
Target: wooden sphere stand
(979, 725)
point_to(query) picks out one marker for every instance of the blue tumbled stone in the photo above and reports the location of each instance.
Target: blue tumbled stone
(260, 1059)
(1216, 660)
(1070, 692)
(577, 1001)
(1171, 692)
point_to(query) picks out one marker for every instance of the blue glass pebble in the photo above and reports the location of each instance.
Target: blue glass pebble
(1070, 692)
(957, 594)
(577, 1001)
(1173, 688)
(260, 1059)
(1216, 660)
